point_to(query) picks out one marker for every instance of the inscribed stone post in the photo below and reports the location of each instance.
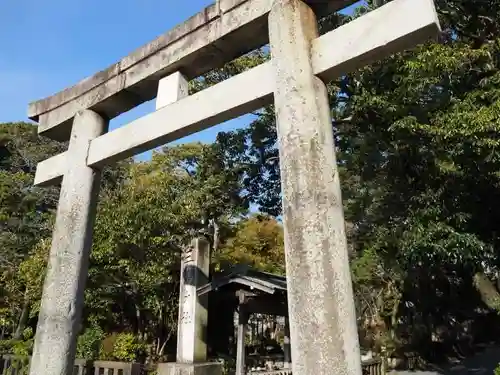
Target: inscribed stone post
(63, 292)
(192, 324)
(323, 330)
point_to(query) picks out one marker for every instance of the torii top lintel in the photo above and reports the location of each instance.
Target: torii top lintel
(214, 36)
(394, 27)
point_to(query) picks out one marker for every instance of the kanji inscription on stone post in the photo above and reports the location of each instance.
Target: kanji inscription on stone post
(191, 340)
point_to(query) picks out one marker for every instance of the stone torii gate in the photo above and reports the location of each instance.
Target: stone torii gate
(321, 309)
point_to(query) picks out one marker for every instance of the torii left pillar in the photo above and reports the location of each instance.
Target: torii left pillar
(63, 291)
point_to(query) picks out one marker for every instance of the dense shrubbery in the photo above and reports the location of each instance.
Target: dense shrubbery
(89, 343)
(93, 344)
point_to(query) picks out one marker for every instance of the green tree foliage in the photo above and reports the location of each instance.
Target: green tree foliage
(25, 215)
(256, 242)
(24, 209)
(128, 348)
(26, 219)
(148, 212)
(417, 138)
(89, 343)
(420, 157)
(141, 228)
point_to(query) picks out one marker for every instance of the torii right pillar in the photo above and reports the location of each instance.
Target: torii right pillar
(323, 329)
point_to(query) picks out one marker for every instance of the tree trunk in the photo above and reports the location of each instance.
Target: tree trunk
(394, 319)
(160, 328)
(216, 236)
(162, 348)
(23, 319)
(139, 323)
(489, 294)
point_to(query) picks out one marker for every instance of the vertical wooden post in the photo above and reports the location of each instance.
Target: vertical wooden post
(384, 360)
(242, 329)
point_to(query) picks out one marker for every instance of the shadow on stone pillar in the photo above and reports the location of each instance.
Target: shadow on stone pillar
(287, 350)
(193, 315)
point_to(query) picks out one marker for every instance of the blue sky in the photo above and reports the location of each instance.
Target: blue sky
(48, 45)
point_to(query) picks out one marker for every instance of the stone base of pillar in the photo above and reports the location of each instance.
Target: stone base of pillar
(174, 368)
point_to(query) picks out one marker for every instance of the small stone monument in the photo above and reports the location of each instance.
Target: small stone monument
(193, 315)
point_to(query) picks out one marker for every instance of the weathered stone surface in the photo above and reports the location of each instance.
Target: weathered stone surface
(171, 89)
(397, 25)
(62, 300)
(204, 42)
(51, 171)
(209, 368)
(193, 318)
(394, 27)
(324, 337)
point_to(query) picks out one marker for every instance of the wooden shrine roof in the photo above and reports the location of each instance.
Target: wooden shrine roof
(247, 278)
